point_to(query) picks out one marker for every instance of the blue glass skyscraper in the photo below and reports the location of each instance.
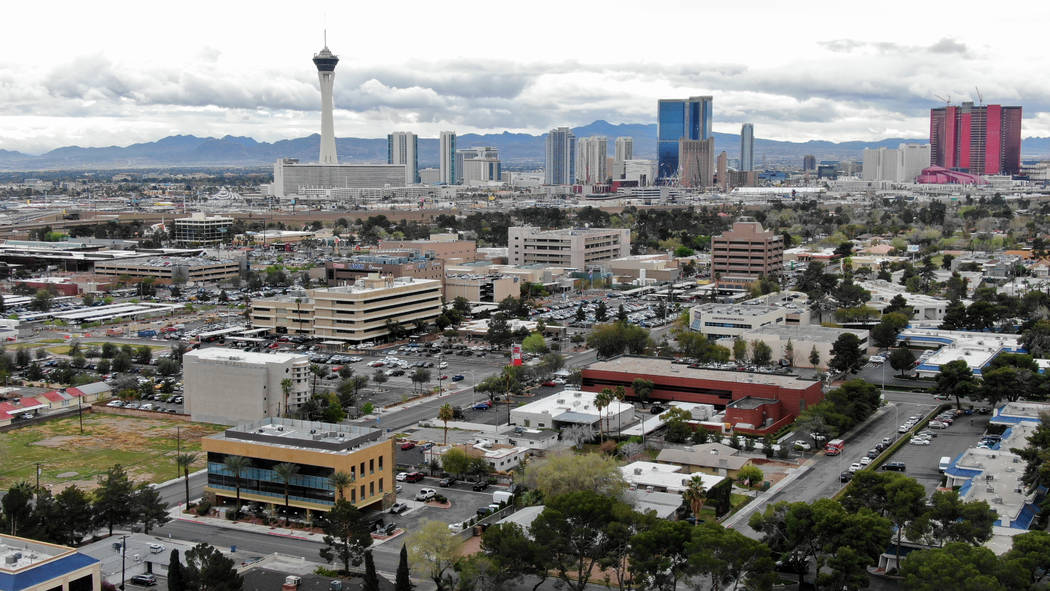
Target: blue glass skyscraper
(560, 157)
(679, 119)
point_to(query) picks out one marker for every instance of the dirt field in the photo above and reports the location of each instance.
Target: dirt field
(146, 447)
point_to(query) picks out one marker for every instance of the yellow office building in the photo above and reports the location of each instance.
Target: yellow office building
(319, 450)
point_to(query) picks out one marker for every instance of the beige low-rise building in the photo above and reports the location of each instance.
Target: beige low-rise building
(658, 268)
(709, 458)
(230, 386)
(803, 339)
(578, 248)
(172, 269)
(481, 288)
(353, 313)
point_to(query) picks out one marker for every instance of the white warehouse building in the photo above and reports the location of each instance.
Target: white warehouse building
(572, 407)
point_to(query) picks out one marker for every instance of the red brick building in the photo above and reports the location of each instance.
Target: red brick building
(753, 402)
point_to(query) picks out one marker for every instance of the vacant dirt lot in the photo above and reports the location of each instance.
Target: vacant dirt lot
(146, 447)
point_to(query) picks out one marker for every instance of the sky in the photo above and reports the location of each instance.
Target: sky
(115, 73)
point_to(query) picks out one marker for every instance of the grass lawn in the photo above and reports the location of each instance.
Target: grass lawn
(146, 447)
(84, 346)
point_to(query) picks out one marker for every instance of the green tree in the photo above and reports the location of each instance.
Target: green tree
(534, 343)
(433, 549)
(761, 353)
(893, 495)
(74, 506)
(22, 357)
(207, 569)
(957, 566)
(884, 334)
(402, 582)
(695, 495)
(740, 350)
(236, 465)
(346, 535)
(41, 301)
(1028, 561)
(515, 554)
(955, 379)
(814, 356)
(499, 332)
(727, 557)
(446, 414)
(114, 498)
(574, 528)
(749, 475)
(455, 461)
(286, 471)
(176, 577)
(902, 360)
(339, 481)
(615, 338)
(659, 556)
(143, 355)
(846, 352)
(420, 377)
(601, 313)
(370, 580)
(109, 350)
(1036, 339)
(17, 504)
(562, 473)
(184, 462)
(642, 388)
(148, 507)
(121, 362)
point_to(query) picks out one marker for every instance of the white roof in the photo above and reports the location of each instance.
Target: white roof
(576, 401)
(668, 476)
(224, 354)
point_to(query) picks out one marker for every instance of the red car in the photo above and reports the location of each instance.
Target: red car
(407, 445)
(549, 383)
(443, 378)
(413, 477)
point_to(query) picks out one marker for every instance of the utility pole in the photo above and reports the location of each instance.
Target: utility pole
(38, 476)
(178, 448)
(123, 556)
(80, 413)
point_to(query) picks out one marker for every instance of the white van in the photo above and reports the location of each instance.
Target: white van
(944, 463)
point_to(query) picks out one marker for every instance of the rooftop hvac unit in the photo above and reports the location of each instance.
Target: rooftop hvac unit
(578, 394)
(281, 428)
(561, 401)
(637, 471)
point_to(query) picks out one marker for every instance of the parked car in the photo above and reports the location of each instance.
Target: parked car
(398, 508)
(846, 476)
(425, 494)
(894, 466)
(407, 445)
(481, 485)
(802, 444)
(447, 481)
(144, 580)
(401, 476)
(457, 378)
(413, 477)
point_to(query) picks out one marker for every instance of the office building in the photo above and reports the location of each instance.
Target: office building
(447, 166)
(880, 164)
(722, 321)
(481, 288)
(591, 153)
(394, 264)
(679, 119)
(430, 176)
(318, 450)
(981, 139)
(326, 62)
(745, 253)
(696, 162)
(477, 165)
(230, 386)
(402, 147)
(578, 248)
(362, 312)
(439, 246)
(292, 178)
(623, 152)
(172, 269)
(901, 165)
(560, 157)
(747, 147)
(756, 403)
(201, 230)
(29, 565)
(572, 407)
(809, 162)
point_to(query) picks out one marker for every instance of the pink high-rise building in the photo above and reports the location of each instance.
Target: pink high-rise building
(983, 139)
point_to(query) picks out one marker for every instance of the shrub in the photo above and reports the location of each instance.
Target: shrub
(326, 572)
(203, 508)
(440, 499)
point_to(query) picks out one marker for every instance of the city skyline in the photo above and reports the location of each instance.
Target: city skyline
(240, 72)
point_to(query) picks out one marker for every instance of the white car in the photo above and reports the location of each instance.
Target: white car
(919, 441)
(401, 476)
(456, 527)
(865, 461)
(443, 365)
(802, 444)
(854, 467)
(425, 494)
(903, 429)
(877, 359)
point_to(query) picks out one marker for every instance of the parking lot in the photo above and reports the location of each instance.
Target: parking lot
(921, 460)
(464, 504)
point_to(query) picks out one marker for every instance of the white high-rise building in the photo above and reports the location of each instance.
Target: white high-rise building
(560, 166)
(447, 158)
(325, 62)
(624, 151)
(911, 159)
(747, 147)
(402, 147)
(591, 164)
(229, 386)
(478, 165)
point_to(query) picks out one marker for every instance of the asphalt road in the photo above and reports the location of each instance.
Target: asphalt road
(174, 493)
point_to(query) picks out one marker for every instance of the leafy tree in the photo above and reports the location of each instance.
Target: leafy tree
(761, 353)
(346, 535)
(850, 295)
(515, 554)
(642, 388)
(1036, 339)
(955, 379)
(74, 507)
(17, 504)
(41, 301)
(455, 461)
(113, 499)
(402, 582)
(884, 334)
(659, 556)
(740, 349)
(433, 550)
(601, 313)
(499, 332)
(957, 566)
(149, 508)
(22, 357)
(749, 475)
(892, 495)
(207, 569)
(143, 355)
(562, 473)
(955, 317)
(902, 359)
(621, 314)
(109, 350)
(727, 557)
(573, 527)
(814, 356)
(121, 362)
(615, 338)
(696, 345)
(950, 519)
(1028, 561)
(534, 343)
(420, 377)
(898, 305)
(846, 352)
(379, 378)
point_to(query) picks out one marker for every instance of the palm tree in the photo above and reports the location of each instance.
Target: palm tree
(286, 389)
(184, 461)
(695, 495)
(341, 480)
(286, 471)
(319, 372)
(446, 414)
(618, 395)
(237, 465)
(601, 402)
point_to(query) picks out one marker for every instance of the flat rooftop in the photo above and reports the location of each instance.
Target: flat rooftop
(164, 262)
(19, 553)
(572, 401)
(309, 435)
(813, 332)
(751, 402)
(664, 367)
(224, 354)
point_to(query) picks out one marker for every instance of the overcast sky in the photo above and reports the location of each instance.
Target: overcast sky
(115, 73)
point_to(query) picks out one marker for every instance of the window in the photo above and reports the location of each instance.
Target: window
(380, 466)
(353, 495)
(362, 470)
(371, 489)
(380, 485)
(372, 466)
(362, 492)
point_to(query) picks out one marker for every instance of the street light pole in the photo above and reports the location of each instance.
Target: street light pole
(123, 562)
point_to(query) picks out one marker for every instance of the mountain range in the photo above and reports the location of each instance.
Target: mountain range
(518, 150)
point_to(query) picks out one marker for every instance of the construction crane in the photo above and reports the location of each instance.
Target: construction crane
(947, 99)
(980, 99)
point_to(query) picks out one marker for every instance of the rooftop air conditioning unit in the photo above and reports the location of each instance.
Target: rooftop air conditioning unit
(280, 428)
(637, 471)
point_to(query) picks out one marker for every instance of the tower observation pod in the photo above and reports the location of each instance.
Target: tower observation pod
(326, 61)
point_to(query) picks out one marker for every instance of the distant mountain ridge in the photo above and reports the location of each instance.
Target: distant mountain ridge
(516, 149)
